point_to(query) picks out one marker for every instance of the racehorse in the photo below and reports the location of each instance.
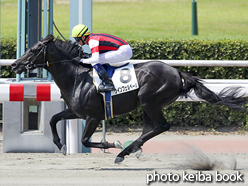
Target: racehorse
(159, 86)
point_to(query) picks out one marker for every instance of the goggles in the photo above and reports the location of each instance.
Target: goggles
(77, 39)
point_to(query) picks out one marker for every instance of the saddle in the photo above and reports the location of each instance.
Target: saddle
(124, 79)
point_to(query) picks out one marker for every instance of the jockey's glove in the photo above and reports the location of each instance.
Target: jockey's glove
(78, 59)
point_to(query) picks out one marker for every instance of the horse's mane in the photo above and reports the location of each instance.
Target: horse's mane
(67, 48)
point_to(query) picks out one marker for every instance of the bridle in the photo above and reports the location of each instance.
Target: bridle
(31, 64)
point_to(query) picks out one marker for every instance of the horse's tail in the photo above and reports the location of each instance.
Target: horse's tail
(229, 96)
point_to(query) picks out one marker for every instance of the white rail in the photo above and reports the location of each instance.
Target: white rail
(6, 62)
(206, 63)
(213, 84)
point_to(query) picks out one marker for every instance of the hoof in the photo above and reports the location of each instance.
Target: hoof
(118, 159)
(138, 153)
(118, 144)
(63, 150)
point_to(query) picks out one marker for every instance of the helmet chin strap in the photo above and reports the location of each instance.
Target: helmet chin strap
(83, 40)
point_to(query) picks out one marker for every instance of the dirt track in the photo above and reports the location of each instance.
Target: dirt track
(99, 169)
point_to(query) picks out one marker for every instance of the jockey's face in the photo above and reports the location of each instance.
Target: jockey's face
(81, 42)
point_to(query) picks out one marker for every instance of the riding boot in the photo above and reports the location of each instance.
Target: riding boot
(107, 83)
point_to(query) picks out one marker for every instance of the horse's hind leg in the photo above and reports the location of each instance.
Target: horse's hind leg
(65, 114)
(152, 127)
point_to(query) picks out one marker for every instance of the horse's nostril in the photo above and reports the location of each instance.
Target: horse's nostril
(13, 65)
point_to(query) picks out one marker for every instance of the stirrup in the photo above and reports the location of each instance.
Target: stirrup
(106, 87)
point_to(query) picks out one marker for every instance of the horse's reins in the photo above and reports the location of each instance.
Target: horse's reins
(32, 64)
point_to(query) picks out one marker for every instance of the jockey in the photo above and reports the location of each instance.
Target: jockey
(105, 49)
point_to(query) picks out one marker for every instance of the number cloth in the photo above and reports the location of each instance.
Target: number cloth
(124, 79)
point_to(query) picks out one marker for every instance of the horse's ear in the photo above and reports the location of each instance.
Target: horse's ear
(48, 38)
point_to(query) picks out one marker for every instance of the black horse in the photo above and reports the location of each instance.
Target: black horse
(159, 86)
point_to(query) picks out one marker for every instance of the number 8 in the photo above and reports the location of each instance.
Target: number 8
(125, 72)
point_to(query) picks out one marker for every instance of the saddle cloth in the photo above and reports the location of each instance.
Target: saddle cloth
(124, 79)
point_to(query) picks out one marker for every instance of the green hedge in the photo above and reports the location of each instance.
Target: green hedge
(196, 50)
(8, 51)
(183, 113)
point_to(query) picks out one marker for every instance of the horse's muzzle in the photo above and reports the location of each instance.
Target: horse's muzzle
(13, 65)
(17, 68)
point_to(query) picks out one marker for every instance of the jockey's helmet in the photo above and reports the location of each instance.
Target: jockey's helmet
(80, 30)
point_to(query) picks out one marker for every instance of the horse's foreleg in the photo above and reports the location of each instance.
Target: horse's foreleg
(90, 127)
(65, 114)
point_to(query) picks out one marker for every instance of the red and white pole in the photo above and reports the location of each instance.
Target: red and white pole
(12, 92)
(48, 92)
